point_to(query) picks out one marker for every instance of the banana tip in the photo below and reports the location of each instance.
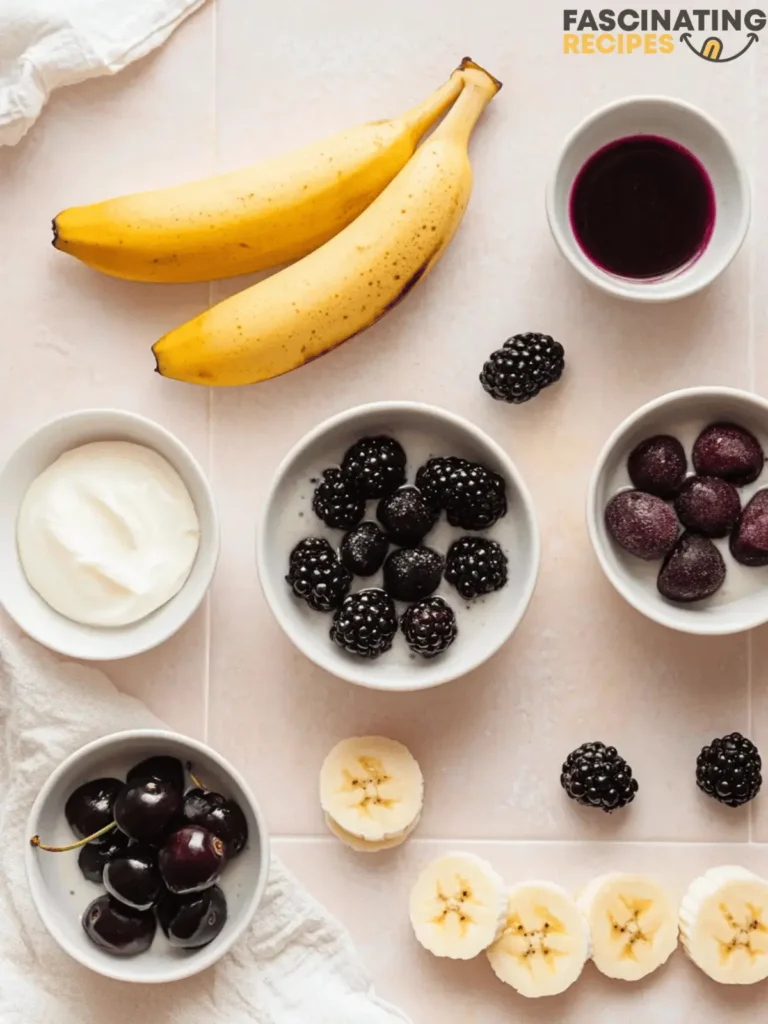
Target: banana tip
(467, 63)
(55, 238)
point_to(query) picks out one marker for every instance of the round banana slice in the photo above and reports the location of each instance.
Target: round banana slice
(632, 924)
(544, 944)
(362, 845)
(457, 906)
(724, 925)
(371, 787)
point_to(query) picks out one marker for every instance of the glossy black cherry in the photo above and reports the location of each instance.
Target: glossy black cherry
(191, 859)
(192, 921)
(132, 876)
(118, 929)
(94, 857)
(90, 807)
(144, 809)
(162, 767)
(217, 814)
(643, 207)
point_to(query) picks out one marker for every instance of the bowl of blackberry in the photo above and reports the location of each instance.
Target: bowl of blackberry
(147, 857)
(678, 510)
(398, 548)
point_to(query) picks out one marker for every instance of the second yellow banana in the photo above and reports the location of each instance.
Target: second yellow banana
(354, 279)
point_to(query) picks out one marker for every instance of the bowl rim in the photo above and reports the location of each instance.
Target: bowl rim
(355, 674)
(212, 535)
(699, 626)
(205, 957)
(617, 287)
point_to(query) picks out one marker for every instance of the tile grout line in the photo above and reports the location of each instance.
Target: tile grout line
(554, 843)
(752, 384)
(209, 598)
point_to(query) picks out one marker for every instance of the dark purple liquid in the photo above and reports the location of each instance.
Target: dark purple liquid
(643, 207)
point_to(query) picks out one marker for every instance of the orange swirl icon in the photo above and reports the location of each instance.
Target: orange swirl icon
(712, 49)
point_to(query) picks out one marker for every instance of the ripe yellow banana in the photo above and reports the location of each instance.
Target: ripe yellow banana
(248, 220)
(345, 286)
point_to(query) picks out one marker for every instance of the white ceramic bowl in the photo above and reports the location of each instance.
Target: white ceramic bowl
(24, 604)
(61, 894)
(424, 431)
(742, 602)
(689, 127)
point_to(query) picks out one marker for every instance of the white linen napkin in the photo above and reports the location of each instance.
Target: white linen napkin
(45, 44)
(296, 964)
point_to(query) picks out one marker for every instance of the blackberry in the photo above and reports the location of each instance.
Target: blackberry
(317, 576)
(729, 770)
(407, 516)
(433, 478)
(429, 627)
(364, 549)
(475, 566)
(473, 496)
(337, 500)
(365, 624)
(413, 573)
(376, 464)
(523, 367)
(595, 776)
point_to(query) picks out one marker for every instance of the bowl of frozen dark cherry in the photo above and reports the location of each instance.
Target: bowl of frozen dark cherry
(399, 547)
(678, 510)
(148, 856)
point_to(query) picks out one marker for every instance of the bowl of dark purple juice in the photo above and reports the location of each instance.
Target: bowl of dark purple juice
(649, 200)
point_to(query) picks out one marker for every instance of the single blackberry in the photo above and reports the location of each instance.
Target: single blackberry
(365, 624)
(413, 573)
(429, 627)
(433, 478)
(594, 775)
(317, 576)
(337, 501)
(475, 566)
(475, 497)
(407, 516)
(729, 770)
(523, 367)
(376, 464)
(364, 549)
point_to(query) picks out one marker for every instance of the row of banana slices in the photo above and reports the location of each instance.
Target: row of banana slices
(536, 936)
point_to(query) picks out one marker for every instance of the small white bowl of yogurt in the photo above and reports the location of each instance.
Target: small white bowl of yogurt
(109, 535)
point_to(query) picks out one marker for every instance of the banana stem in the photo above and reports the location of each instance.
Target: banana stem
(421, 117)
(35, 841)
(480, 88)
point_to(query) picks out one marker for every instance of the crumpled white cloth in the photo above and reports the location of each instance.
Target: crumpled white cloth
(296, 964)
(45, 44)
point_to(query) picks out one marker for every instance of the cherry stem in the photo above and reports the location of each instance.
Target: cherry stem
(194, 778)
(35, 841)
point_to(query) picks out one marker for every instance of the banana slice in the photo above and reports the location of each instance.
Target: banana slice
(372, 788)
(724, 925)
(457, 906)
(632, 923)
(544, 943)
(362, 845)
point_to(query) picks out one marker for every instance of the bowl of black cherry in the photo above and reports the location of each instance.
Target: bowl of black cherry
(649, 201)
(148, 856)
(678, 510)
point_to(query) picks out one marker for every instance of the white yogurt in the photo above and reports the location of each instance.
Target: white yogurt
(740, 580)
(299, 521)
(108, 533)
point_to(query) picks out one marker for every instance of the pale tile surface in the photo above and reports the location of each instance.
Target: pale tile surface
(241, 81)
